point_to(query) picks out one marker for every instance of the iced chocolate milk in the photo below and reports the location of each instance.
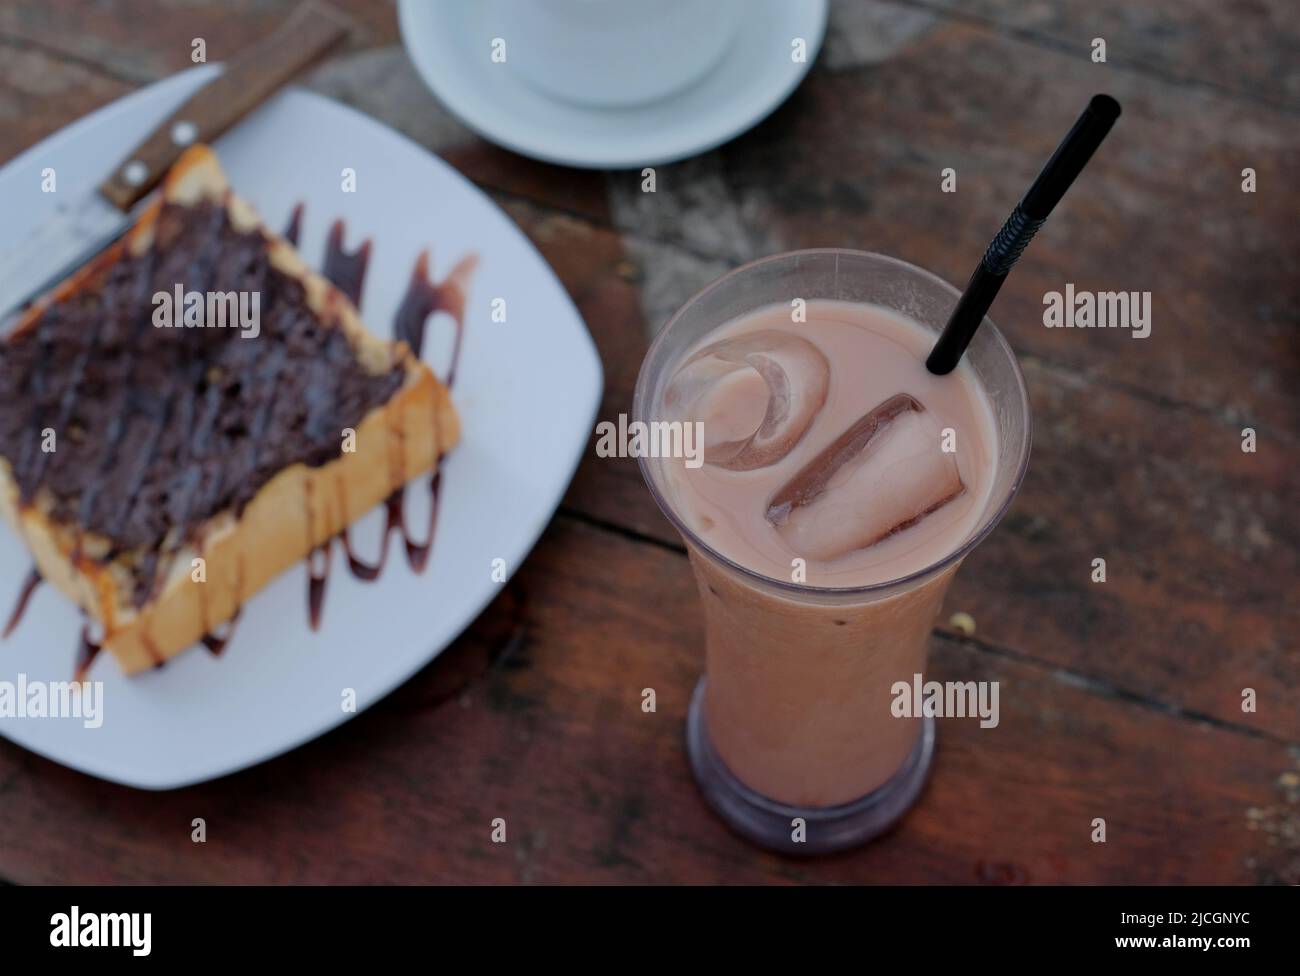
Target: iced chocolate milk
(841, 485)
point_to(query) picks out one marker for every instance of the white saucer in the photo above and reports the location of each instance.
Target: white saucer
(450, 44)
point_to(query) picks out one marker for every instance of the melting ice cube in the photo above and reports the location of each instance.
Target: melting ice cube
(756, 394)
(882, 475)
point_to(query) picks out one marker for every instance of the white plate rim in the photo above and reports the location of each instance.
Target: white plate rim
(403, 670)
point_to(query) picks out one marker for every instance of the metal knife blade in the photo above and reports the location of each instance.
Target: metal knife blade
(78, 231)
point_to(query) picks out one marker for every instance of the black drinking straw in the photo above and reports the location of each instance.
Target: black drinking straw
(1066, 164)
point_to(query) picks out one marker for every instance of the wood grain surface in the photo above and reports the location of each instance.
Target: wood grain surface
(1119, 700)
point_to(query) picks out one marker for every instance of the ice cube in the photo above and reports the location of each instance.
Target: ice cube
(756, 394)
(882, 475)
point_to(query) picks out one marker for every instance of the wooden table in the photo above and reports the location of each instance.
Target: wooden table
(1120, 700)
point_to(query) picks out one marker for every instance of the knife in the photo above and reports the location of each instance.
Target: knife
(83, 227)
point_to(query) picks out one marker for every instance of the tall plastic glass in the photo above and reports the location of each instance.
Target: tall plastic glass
(790, 734)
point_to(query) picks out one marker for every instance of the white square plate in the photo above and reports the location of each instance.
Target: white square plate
(527, 391)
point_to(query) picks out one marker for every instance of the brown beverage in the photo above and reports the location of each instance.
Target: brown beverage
(798, 706)
(841, 484)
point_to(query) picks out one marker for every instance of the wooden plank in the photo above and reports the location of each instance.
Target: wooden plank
(1242, 46)
(855, 159)
(40, 94)
(542, 725)
(144, 40)
(1200, 549)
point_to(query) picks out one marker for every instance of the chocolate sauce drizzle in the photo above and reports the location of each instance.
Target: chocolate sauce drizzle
(346, 271)
(24, 597)
(87, 650)
(423, 298)
(318, 575)
(294, 229)
(417, 551)
(215, 640)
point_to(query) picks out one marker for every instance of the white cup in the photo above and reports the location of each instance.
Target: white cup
(614, 52)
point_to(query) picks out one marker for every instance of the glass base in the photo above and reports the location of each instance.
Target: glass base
(827, 829)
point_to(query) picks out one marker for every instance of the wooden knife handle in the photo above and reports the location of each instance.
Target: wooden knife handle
(247, 81)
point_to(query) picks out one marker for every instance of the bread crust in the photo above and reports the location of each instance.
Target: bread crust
(298, 509)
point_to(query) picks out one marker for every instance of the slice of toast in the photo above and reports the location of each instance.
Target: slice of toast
(178, 496)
